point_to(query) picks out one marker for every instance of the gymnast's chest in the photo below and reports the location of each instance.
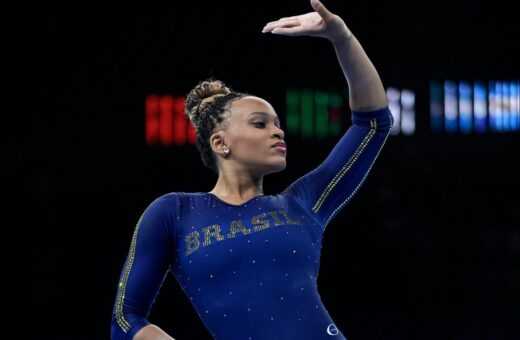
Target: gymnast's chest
(214, 241)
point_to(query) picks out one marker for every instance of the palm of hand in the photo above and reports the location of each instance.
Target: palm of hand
(311, 24)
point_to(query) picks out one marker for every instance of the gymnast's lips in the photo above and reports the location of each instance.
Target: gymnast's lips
(280, 146)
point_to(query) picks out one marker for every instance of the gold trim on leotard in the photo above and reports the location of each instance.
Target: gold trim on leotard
(362, 180)
(123, 323)
(346, 167)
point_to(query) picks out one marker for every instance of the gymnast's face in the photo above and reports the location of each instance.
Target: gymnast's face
(250, 133)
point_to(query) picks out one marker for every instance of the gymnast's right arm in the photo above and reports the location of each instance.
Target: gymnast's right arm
(146, 266)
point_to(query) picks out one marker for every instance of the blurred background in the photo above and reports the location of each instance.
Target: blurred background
(430, 246)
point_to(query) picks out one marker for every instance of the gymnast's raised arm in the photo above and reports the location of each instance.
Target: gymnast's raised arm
(366, 92)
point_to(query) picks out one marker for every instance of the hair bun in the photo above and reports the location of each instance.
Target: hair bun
(204, 92)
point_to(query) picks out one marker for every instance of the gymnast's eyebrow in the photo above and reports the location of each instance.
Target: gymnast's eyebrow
(266, 114)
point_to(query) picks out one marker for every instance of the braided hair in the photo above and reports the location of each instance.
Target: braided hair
(207, 107)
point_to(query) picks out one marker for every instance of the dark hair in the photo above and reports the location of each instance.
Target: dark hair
(205, 115)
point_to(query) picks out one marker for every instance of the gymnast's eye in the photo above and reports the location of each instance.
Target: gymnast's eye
(262, 124)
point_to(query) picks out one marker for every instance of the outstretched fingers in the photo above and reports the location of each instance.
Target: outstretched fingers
(288, 30)
(279, 24)
(320, 23)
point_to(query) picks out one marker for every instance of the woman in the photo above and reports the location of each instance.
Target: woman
(248, 261)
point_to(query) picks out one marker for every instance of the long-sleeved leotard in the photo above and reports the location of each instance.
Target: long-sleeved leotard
(250, 270)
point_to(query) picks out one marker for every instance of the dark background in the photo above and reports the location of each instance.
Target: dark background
(428, 249)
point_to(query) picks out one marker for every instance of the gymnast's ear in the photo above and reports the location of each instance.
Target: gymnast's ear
(217, 142)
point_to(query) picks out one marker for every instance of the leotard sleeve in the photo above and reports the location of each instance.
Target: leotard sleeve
(325, 190)
(145, 268)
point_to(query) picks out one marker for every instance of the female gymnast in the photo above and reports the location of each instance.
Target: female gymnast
(249, 262)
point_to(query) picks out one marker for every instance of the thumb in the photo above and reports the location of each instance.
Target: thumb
(322, 10)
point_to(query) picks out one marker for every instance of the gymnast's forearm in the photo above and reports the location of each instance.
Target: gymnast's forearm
(366, 91)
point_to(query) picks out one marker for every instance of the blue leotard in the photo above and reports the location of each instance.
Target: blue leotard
(250, 270)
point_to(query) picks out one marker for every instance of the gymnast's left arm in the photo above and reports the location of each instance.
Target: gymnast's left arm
(366, 91)
(329, 187)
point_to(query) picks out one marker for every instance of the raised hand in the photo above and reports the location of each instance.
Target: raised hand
(321, 23)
